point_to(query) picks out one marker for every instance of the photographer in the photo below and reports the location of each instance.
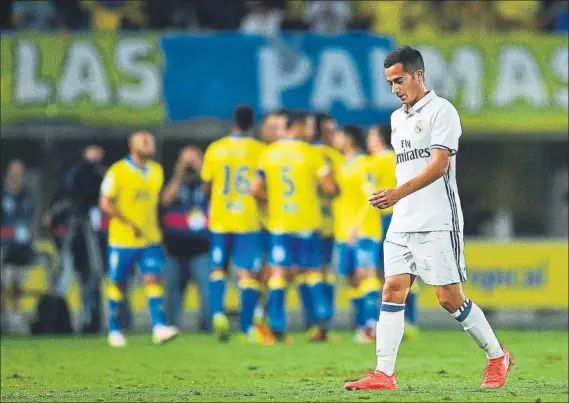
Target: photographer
(184, 220)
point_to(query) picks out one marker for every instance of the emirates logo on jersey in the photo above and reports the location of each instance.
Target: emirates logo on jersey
(414, 154)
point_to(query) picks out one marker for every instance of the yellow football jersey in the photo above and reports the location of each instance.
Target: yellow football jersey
(333, 159)
(385, 171)
(136, 192)
(230, 164)
(357, 180)
(291, 169)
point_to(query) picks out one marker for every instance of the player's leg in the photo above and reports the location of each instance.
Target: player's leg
(346, 268)
(329, 276)
(151, 265)
(305, 298)
(120, 264)
(399, 272)
(309, 255)
(172, 279)
(446, 270)
(246, 256)
(259, 316)
(199, 272)
(219, 257)
(367, 256)
(280, 260)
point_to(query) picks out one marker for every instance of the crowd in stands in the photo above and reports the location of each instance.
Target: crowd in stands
(268, 17)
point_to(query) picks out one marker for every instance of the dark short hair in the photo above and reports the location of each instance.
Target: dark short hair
(319, 118)
(272, 113)
(243, 117)
(356, 133)
(410, 58)
(296, 116)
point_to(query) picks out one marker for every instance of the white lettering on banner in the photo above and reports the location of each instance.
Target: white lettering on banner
(147, 91)
(28, 87)
(559, 62)
(466, 68)
(381, 91)
(337, 80)
(519, 77)
(84, 74)
(274, 80)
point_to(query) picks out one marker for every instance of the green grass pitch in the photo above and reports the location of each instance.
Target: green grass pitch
(443, 365)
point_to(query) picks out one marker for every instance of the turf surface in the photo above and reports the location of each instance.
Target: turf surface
(442, 365)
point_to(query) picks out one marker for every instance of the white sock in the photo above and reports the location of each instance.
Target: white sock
(476, 325)
(388, 336)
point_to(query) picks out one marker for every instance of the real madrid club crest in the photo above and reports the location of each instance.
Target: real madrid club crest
(419, 126)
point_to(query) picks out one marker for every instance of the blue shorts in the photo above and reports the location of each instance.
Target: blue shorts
(265, 242)
(303, 250)
(365, 253)
(121, 261)
(242, 249)
(327, 250)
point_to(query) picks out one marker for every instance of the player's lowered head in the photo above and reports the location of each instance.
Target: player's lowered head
(300, 125)
(269, 127)
(350, 140)
(404, 71)
(376, 141)
(243, 119)
(325, 126)
(142, 146)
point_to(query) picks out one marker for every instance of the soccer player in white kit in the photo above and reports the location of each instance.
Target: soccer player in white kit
(425, 236)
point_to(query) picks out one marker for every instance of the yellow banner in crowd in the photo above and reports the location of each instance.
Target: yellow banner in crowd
(509, 275)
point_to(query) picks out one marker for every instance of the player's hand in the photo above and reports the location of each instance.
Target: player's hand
(136, 230)
(353, 237)
(384, 198)
(190, 157)
(46, 221)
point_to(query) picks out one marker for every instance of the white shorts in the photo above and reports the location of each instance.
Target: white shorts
(436, 257)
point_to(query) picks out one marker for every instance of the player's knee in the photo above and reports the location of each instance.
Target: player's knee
(247, 275)
(395, 291)
(152, 279)
(450, 298)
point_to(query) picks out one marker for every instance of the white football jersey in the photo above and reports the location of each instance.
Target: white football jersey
(433, 122)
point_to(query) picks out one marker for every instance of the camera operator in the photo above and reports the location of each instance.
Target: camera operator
(184, 220)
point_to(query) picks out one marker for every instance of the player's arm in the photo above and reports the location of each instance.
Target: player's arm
(109, 193)
(325, 174)
(259, 186)
(206, 172)
(187, 158)
(444, 144)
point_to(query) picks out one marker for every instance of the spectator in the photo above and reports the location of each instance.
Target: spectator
(220, 14)
(293, 19)
(171, 14)
(112, 15)
(6, 14)
(79, 230)
(186, 237)
(261, 20)
(33, 15)
(385, 15)
(16, 246)
(328, 16)
(518, 15)
(69, 15)
(554, 16)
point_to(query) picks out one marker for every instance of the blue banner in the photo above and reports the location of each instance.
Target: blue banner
(208, 75)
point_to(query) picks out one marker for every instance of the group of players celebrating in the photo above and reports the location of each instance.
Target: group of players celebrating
(279, 209)
(285, 201)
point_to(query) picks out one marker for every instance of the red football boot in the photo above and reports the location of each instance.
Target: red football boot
(375, 380)
(497, 370)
